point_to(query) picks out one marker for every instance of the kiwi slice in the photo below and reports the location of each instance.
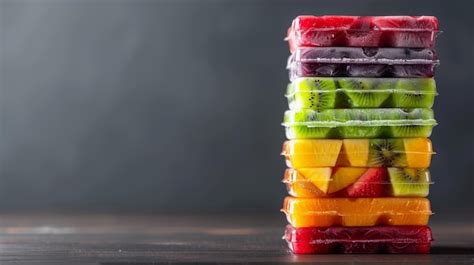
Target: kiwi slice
(364, 92)
(357, 131)
(299, 124)
(409, 182)
(386, 153)
(414, 93)
(422, 123)
(315, 93)
(411, 131)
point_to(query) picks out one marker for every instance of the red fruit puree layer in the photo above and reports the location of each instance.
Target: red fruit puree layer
(359, 240)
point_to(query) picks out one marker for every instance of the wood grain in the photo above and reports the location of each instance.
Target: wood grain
(174, 239)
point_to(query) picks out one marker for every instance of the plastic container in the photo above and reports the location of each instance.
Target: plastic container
(362, 62)
(357, 182)
(325, 212)
(341, 31)
(320, 93)
(309, 153)
(359, 240)
(358, 123)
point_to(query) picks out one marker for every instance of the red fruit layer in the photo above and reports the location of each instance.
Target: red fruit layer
(366, 23)
(359, 240)
(389, 31)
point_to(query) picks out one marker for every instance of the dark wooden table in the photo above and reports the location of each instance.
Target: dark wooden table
(171, 239)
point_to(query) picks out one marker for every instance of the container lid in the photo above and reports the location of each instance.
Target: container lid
(358, 117)
(354, 55)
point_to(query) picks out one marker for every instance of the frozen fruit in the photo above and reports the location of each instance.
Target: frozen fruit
(307, 153)
(383, 31)
(358, 123)
(418, 92)
(359, 240)
(417, 152)
(299, 185)
(355, 152)
(324, 212)
(319, 177)
(357, 92)
(384, 56)
(408, 152)
(409, 182)
(342, 177)
(386, 153)
(362, 62)
(314, 94)
(357, 182)
(409, 129)
(297, 131)
(319, 93)
(369, 184)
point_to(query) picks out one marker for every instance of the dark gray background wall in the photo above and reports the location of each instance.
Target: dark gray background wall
(176, 105)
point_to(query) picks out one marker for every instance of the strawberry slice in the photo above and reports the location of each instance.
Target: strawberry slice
(370, 184)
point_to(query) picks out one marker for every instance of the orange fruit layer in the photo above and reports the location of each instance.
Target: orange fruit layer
(308, 153)
(324, 212)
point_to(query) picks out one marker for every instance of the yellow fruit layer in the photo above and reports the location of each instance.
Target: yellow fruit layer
(323, 212)
(320, 181)
(308, 153)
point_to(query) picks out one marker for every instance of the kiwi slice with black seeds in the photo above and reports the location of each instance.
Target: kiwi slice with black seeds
(417, 129)
(414, 93)
(365, 93)
(308, 129)
(386, 153)
(315, 94)
(409, 182)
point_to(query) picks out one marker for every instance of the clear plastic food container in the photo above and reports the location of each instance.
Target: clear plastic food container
(320, 93)
(359, 240)
(310, 153)
(358, 123)
(326, 212)
(342, 31)
(362, 62)
(357, 182)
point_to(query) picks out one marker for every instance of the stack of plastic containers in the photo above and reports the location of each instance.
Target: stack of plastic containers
(358, 151)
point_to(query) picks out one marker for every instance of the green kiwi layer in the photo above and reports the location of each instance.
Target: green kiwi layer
(359, 123)
(319, 93)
